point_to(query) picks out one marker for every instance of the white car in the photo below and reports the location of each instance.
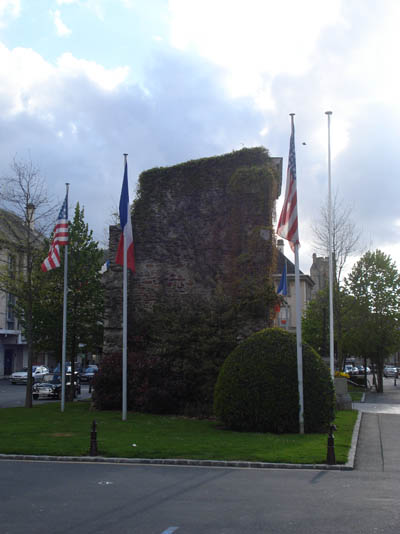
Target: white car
(390, 371)
(21, 377)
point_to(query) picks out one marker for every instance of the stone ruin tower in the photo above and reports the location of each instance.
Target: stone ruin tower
(197, 226)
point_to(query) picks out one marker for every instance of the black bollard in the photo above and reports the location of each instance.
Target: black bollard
(93, 440)
(330, 457)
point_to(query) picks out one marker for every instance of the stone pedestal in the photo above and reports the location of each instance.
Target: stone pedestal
(343, 399)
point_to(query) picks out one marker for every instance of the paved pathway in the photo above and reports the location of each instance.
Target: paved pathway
(378, 446)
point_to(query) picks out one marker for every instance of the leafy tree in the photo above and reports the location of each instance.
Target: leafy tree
(85, 295)
(375, 284)
(315, 325)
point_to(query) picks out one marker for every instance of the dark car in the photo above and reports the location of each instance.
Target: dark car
(88, 374)
(51, 385)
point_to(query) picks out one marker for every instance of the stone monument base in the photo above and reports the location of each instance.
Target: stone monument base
(343, 399)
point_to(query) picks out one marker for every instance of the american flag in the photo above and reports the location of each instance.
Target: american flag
(288, 223)
(60, 238)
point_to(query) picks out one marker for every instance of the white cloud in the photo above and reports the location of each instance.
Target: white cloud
(31, 85)
(253, 38)
(107, 79)
(62, 29)
(9, 8)
(22, 72)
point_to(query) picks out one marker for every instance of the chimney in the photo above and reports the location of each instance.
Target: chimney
(280, 245)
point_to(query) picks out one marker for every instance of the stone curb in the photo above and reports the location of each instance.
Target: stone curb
(354, 441)
(179, 462)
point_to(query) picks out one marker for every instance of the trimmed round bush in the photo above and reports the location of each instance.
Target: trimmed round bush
(257, 387)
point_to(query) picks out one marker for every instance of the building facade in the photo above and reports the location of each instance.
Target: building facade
(319, 273)
(286, 316)
(13, 347)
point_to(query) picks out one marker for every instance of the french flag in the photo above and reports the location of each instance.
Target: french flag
(126, 226)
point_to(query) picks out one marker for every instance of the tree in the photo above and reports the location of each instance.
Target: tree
(85, 296)
(345, 234)
(23, 192)
(345, 241)
(375, 283)
(315, 323)
(315, 326)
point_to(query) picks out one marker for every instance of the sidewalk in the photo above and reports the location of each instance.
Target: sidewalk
(378, 446)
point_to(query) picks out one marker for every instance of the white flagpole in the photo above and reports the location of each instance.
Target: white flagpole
(125, 323)
(298, 339)
(286, 304)
(298, 325)
(64, 332)
(331, 331)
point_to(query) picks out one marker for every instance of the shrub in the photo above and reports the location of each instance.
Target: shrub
(150, 386)
(257, 387)
(189, 338)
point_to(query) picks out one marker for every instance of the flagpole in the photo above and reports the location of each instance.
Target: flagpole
(298, 340)
(64, 332)
(125, 324)
(298, 326)
(286, 304)
(331, 331)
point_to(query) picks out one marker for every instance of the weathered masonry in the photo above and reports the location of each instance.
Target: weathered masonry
(200, 226)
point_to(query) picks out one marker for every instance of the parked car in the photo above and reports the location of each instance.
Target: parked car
(350, 369)
(51, 386)
(88, 373)
(389, 371)
(21, 377)
(68, 368)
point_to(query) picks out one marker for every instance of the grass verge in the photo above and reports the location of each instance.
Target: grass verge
(45, 430)
(355, 393)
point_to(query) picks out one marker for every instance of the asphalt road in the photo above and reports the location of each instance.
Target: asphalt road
(60, 498)
(13, 395)
(89, 498)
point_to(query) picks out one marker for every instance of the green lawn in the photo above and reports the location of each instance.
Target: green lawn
(355, 393)
(45, 430)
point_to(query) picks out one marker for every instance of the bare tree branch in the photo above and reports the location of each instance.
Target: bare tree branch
(345, 234)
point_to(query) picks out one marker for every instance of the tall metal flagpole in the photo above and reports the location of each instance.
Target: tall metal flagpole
(298, 326)
(331, 331)
(125, 324)
(298, 339)
(288, 228)
(64, 332)
(286, 304)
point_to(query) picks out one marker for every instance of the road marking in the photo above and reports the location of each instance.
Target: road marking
(169, 530)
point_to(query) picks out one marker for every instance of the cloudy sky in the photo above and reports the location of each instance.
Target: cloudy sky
(83, 81)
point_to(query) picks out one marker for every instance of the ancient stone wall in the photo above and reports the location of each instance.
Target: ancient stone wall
(198, 226)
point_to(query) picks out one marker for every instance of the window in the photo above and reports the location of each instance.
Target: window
(10, 311)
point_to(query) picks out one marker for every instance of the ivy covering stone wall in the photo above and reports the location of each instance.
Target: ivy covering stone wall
(203, 228)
